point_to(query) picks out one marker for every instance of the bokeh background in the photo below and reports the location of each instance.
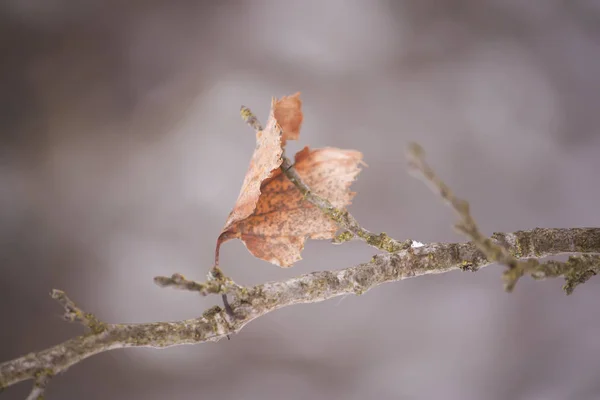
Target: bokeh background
(122, 152)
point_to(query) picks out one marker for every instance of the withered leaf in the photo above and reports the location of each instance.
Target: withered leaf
(283, 219)
(266, 159)
(271, 216)
(288, 113)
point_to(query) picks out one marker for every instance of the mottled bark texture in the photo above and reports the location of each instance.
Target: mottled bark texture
(251, 303)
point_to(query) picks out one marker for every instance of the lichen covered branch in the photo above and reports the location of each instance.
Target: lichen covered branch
(341, 216)
(576, 269)
(251, 303)
(403, 260)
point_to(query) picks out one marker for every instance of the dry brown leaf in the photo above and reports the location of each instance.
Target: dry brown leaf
(266, 159)
(271, 216)
(288, 113)
(283, 219)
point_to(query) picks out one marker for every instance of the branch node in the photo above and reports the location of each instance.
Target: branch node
(41, 380)
(216, 274)
(469, 266)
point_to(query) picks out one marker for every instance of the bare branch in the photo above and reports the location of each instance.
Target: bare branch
(343, 218)
(403, 260)
(576, 269)
(251, 303)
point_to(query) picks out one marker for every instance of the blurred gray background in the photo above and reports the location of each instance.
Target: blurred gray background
(122, 153)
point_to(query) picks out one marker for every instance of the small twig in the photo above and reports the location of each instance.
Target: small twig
(39, 385)
(574, 269)
(212, 286)
(178, 281)
(577, 269)
(217, 284)
(341, 216)
(75, 314)
(251, 119)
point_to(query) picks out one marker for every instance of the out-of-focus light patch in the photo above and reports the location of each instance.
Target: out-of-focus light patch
(506, 90)
(13, 199)
(48, 13)
(326, 46)
(133, 262)
(416, 244)
(213, 145)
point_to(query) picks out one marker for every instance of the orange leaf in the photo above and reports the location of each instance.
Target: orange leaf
(288, 113)
(271, 216)
(283, 219)
(266, 159)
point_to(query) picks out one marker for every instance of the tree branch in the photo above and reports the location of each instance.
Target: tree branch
(251, 303)
(403, 260)
(578, 269)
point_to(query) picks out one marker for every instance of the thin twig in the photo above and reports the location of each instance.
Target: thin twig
(212, 286)
(577, 269)
(217, 284)
(76, 314)
(341, 216)
(251, 303)
(572, 268)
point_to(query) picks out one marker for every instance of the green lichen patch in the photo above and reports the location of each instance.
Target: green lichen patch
(575, 278)
(343, 237)
(96, 326)
(588, 241)
(468, 266)
(384, 242)
(44, 372)
(581, 269)
(212, 312)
